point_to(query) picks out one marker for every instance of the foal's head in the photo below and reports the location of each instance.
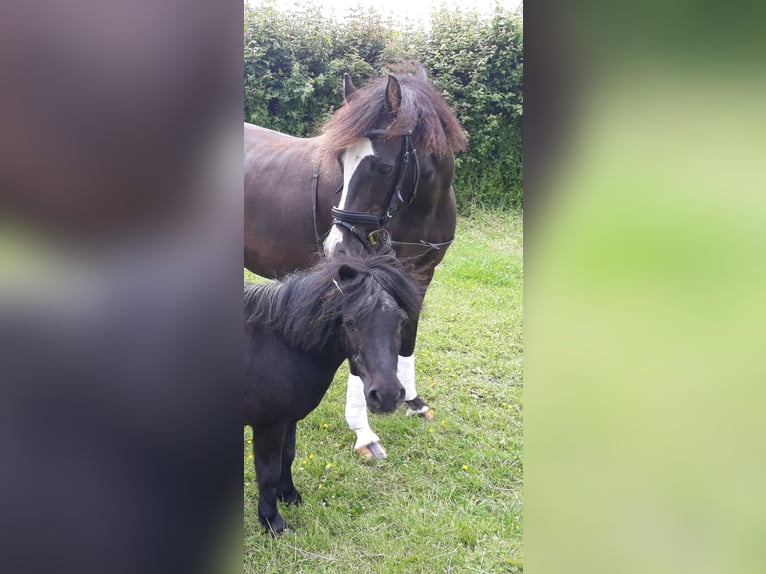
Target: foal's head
(350, 306)
(378, 298)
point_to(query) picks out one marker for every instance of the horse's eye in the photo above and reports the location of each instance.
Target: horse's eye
(384, 168)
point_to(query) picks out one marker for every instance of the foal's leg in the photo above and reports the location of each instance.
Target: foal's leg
(267, 452)
(286, 489)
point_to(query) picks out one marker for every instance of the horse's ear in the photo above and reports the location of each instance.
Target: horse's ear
(346, 272)
(348, 88)
(393, 94)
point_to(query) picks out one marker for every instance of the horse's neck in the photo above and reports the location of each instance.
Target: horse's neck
(432, 219)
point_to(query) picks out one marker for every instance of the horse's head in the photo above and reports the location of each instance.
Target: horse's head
(381, 167)
(371, 322)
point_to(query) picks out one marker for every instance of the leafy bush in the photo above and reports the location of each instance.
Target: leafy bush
(294, 61)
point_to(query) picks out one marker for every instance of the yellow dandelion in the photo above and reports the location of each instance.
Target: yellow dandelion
(328, 466)
(320, 486)
(311, 457)
(503, 404)
(325, 426)
(430, 430)
(249, 441)
(303, 461)
(465, 467)
(444, 422)
(249, 456)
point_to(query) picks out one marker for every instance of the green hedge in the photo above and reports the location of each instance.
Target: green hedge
(294, 61)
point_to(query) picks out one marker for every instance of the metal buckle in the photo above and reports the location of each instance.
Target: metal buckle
(383, 233)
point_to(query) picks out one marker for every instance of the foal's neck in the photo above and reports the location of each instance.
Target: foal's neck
(332, 354)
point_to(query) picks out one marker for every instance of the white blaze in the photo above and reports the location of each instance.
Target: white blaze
(352, 157)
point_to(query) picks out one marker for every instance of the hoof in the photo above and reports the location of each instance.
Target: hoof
(293, 497)
(424, 411)
(276, 526)
(372, 450)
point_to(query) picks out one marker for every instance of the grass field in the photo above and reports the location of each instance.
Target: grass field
(448, 497)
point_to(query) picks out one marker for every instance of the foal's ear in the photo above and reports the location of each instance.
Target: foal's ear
(349, 91)
(393, 94)
(346, 272)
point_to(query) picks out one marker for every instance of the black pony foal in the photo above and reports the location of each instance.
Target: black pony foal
(297, 334)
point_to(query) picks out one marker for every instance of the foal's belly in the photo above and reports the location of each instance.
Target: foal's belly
(280, 400)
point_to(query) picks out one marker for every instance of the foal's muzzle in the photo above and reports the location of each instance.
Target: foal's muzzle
(385, 399)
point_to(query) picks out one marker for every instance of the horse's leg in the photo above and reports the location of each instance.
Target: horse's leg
(286, 491)
(367, 442)
(267, 452)
(405, 371)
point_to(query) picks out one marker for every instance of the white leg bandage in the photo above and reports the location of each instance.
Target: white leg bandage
(356, 412)
(405, 371)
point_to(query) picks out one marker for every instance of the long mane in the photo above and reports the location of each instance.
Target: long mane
(423, 111)
(305, 308)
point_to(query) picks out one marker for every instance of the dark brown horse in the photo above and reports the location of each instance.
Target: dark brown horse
(380, 173)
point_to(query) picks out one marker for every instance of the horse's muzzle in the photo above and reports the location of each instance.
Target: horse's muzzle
(338, 243)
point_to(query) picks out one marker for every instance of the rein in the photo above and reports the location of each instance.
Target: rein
(348, 219)
(424, 243)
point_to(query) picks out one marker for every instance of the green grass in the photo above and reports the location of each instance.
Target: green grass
(448, 497)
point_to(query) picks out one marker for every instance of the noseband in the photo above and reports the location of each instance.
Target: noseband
(348, 219)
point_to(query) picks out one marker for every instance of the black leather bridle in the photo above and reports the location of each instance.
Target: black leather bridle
(349, 219)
